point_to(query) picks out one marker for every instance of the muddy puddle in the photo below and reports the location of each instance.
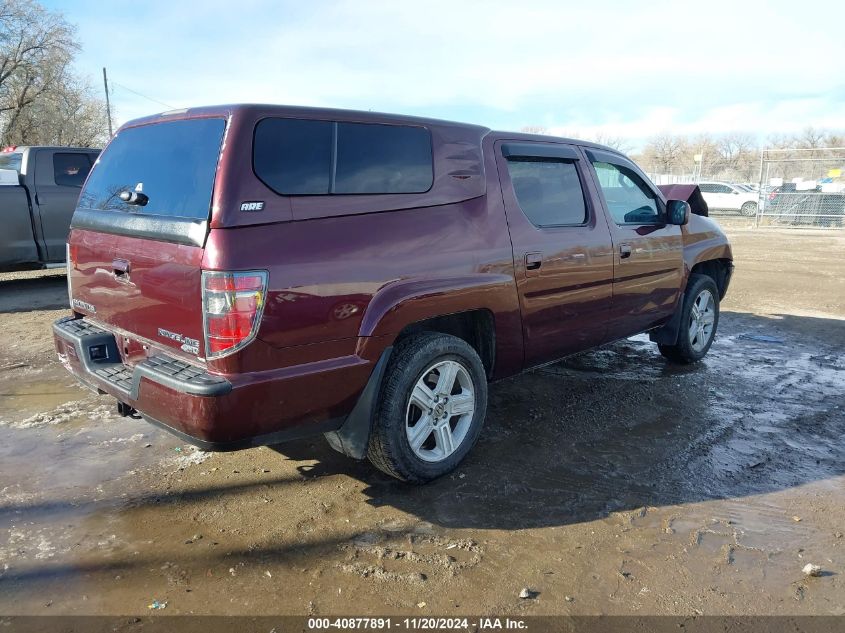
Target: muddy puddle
(607, 483)
(684, 490)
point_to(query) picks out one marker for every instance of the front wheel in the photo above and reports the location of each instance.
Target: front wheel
(699, 320)
(431, 408)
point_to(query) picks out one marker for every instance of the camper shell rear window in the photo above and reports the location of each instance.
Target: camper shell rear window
(172, 163)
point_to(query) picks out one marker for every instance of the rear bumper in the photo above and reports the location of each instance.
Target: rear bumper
(97, 353)
(211, 411)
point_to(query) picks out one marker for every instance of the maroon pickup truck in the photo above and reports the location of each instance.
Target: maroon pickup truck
(244, 275)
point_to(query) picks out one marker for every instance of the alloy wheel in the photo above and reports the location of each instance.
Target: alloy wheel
(702, 319)
(440, 410)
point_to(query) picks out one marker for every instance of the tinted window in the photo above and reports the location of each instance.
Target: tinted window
(172, 163)
(706, 187)
(548, 191)
(11, 160)
(293, 156)
(382, 159)
(628, 198)
(70, 170)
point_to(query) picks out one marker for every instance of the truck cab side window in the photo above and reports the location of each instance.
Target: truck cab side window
(548, 191)
(629, 200)
(70, 170)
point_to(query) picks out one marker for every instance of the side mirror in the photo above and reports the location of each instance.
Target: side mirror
(678, 212)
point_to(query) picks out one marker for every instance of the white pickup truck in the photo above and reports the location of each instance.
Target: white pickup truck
(39, 187)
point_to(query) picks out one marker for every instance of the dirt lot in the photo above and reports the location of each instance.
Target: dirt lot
(607, 483)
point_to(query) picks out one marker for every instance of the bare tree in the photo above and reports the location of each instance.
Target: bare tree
(835, 138)
(810, 138)
(618, 143)
(40, 99)
(69, 115)
(664, 151)
(738, 155)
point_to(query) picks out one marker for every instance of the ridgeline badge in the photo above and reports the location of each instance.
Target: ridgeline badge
(190, 345)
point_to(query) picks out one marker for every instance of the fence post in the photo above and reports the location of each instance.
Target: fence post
(760, 193)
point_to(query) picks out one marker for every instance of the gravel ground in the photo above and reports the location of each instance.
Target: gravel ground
(608, 483)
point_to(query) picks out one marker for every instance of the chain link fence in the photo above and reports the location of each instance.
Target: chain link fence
(802, 188)
(789, 188)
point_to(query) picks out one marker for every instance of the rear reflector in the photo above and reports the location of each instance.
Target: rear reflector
(232, 306)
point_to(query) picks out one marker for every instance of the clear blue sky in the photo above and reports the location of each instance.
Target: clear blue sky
(630, 69)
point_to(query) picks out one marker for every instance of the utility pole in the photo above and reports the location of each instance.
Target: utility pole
(108, 105)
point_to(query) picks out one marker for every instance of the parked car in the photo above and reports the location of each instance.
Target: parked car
(365, 275)
(38, 193)
(723, 196)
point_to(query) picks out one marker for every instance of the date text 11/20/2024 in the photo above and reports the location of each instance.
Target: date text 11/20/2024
(430, 623)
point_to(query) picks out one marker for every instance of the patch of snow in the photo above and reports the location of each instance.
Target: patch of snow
(63, 413)
(191, 456)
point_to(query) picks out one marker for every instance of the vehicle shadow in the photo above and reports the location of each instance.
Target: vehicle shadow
(618, 428)
(30, 293)
(612, 430)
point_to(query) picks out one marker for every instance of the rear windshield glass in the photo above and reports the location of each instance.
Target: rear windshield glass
(172, 164)
(11, 160)
(302, 157)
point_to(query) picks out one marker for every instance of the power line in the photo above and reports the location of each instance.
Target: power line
(166, 105)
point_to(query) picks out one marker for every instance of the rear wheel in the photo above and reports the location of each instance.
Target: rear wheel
(749, 209)
(699, 320)
(431, 408)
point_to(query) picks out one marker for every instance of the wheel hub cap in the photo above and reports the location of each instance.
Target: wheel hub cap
(440, 410)
(702, 320)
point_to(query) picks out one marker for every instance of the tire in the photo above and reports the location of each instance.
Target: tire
(428, 360)
(689, 347)
(749, 209)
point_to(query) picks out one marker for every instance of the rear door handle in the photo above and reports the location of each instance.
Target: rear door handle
(624, 251)
(533, 261)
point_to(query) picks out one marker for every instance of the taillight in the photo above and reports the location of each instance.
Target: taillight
(69, 263)
(232, 308)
